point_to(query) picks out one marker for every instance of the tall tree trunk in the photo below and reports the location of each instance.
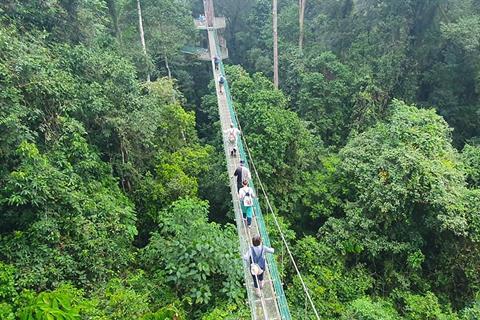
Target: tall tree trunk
(275, 45)
(301, 15)
(112, 9)
(142, 34)
(167, 66)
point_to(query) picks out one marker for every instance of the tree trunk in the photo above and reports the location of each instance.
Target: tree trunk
(142, 35)
(168, 67)
(301, 15)
(275, 45)
(112, 9)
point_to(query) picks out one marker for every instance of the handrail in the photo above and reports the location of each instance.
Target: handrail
(272, 265)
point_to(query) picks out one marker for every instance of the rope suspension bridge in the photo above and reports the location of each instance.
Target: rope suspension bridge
(272, 303)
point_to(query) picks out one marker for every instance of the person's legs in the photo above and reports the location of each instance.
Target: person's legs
(260, 280)
(235, 149)
(249, 215)
(256, 284)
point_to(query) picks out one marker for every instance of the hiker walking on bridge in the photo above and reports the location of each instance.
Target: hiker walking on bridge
(232, 134)
(246, 195)
(256, 256)
(242, 174)
(216, 61)
(221, 82)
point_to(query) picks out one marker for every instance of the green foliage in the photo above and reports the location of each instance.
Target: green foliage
(90, 155)
(74, 222)
(471, 312)
(167, 26)
(6, 311)
(72, 21)
(471, 160)
(64, 303)
(199, 258)
(426, 306)
(7, 282)
(403, 184)
(166, 313)
(285, 152)
(324, 96)
(330, 281)
(121, 300)
(8, 293)
(366, 309)
(227, 312)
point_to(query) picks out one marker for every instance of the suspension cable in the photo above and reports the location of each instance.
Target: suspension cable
(275, 218)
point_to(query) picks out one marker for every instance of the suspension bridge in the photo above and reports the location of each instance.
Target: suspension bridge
(272, 303)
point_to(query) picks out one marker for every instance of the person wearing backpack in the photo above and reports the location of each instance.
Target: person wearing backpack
(216, 61)
(221, 82)
(242, 174)
(256, 257)
(246, 195)
(232, 134)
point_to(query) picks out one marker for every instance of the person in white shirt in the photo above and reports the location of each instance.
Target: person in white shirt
(232, 135)
(246, 195)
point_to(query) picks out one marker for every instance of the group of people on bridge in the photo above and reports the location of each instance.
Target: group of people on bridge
(256, 253)
(221, 78)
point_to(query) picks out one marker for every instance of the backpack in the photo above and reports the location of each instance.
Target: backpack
(257, 263)
(248, 200)
(221, 80)
(231, 136)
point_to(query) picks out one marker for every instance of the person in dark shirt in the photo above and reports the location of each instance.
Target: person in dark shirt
(221, 82)
(242, 174)
(216, 61)
(256, 256)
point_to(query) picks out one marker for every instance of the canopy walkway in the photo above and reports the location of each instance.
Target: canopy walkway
(272, 304)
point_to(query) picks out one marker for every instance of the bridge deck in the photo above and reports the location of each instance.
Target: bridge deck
(266, 306)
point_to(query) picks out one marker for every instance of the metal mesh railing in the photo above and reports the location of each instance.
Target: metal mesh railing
(272, 265)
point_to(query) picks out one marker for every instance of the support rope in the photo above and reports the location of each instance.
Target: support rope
(275, 219)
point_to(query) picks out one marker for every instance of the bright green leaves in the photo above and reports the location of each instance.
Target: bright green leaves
(7, 287)
(366, 309)
(199, 258)
(404, 163)
(471, 160)
(330, 281)
(178, 172)
(404, 193)
(64, 303)
(286, 154)
(74, 222)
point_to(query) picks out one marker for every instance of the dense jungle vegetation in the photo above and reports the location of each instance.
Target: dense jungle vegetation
(114, 199)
